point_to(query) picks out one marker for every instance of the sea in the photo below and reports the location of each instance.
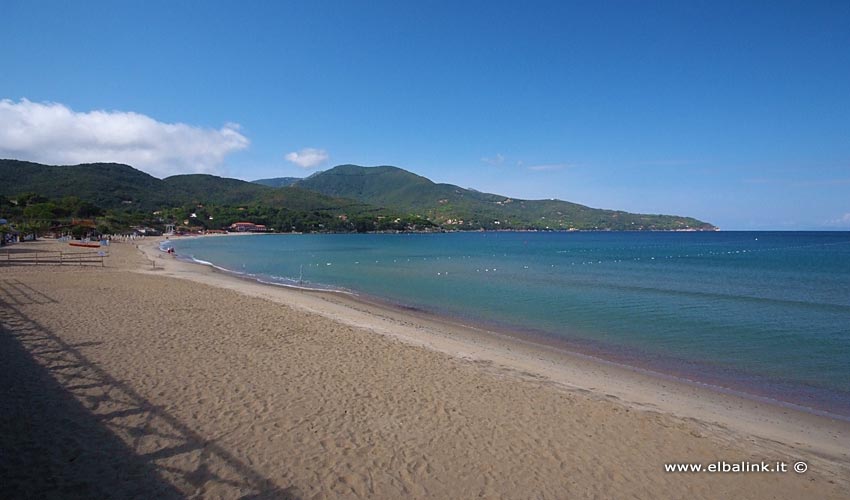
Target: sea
(763, 314)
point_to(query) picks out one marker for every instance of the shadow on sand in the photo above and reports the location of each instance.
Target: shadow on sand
(68, 429)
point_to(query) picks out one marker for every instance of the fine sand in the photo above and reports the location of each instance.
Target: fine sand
(176, 380)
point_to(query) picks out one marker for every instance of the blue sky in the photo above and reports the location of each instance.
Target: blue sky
(736, 113)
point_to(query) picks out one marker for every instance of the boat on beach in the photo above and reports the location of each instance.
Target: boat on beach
(84, 244)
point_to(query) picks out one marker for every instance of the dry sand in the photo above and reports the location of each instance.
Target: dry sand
(180, 381)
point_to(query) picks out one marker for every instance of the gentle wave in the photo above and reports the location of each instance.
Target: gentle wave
(763, 314)
(268, 280)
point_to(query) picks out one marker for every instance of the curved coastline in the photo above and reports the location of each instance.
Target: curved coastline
(784, 428)
(596, 352)
(286, 387)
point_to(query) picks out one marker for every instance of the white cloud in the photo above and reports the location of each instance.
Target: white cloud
(308, 157)
(53, 133)
(495, 160)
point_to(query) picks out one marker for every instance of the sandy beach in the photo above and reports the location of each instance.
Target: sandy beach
(151, 377)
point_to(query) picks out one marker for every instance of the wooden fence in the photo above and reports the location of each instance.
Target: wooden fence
(52, 258)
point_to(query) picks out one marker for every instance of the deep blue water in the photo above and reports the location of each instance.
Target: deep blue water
(767, 313)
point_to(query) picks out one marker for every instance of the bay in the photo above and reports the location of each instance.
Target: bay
(764, 313)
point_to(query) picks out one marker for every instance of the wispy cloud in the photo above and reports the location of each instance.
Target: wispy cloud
(494, 160)
(308, 157)
(549, 167)
(53, 133)
(842, 221)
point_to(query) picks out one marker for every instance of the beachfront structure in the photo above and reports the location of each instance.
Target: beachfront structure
(248, 227)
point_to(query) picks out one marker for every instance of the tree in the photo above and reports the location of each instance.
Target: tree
(40, 212)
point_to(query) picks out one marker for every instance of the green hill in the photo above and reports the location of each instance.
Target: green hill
(117, 186)
(210, 189)
(107, 185)
(207, 189)
(389, 197)
(299, 198)
(123, 196)
(456, 207)
(388, 186)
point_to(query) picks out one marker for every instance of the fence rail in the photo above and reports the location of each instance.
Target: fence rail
(53, 258)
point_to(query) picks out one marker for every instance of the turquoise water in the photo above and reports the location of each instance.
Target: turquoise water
(767, 313)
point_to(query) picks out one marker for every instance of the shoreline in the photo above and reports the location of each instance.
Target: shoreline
(537, 339)
(814, 431)
(190, 382)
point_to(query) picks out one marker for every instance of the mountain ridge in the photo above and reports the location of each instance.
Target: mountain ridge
(460, 208)
(380, 191)
(277, 181)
